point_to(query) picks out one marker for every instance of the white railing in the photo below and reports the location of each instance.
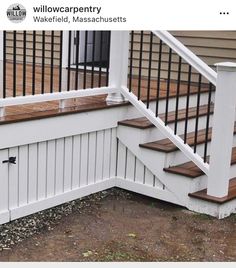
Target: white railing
(187, 55)
(64, 95)
(166, 130)
(55, 96)
(222, 130)
(224, 109)
(224, 114)
(121, 84)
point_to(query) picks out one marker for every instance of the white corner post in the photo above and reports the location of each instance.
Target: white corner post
(222, 130)
(118, 71)
(2, 110)
(65, 48)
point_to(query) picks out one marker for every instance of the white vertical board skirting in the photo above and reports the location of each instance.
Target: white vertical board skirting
(113, 153)
(121, 160)
(84, 159)
(55, 169)
(42, 170)
(23, 174)
(139, 172)
(132, 169)
(130, 162)
(13, 179)
(59, 170)
(92, 157)
(68, 154)
(48, 169)
(106, 153)
(76, 162)
(32, 175)
(48, 172)
(99, 156)
(4, 187)
(51, 155)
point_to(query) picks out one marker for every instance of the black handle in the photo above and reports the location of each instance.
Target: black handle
(11, 160)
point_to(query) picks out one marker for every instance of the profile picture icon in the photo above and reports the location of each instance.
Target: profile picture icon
(16, 13)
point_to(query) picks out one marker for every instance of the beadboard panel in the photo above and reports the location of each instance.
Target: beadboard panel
(51, 168)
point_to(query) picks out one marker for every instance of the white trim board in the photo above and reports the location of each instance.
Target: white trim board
(85, 191)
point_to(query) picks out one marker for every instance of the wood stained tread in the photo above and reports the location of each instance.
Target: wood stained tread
(190, 170)
(204, 196)
(167, 146)
(143, 122)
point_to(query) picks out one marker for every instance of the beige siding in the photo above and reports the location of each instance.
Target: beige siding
(29, 45)
(210, 46)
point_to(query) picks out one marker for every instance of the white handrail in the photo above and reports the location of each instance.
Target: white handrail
(187, 55)
(11, 101)
(166, 130)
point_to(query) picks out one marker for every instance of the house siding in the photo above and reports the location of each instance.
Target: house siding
(210, 46)
(29, 45)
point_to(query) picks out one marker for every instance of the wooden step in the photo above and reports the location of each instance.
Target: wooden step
(204, 196)
(167, 146)
(190, 170)
(143, 122)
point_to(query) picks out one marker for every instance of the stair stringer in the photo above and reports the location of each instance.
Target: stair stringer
(179, 186)
(133, 175)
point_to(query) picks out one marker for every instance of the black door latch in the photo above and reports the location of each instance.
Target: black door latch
(11, 160)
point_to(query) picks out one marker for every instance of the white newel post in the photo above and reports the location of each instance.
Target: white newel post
(1, 71)
(222, 130)
(65, 49)
(118, 71)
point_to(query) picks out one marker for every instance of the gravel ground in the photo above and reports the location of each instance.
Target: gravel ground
(117, 225)
(18, 230)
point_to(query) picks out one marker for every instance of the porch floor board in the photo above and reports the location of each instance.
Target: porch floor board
(83, 104)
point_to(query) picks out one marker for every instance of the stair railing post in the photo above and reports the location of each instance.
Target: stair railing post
(118, 71)
(222, 130)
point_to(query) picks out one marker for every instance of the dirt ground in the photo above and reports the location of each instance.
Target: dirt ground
(130, 227)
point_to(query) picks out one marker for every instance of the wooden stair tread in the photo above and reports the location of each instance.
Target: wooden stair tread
(143, 122)
(189, 169)
(168, 146)
(204, 196)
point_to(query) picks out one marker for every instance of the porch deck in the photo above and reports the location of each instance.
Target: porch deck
(76, 105)
(62, 158)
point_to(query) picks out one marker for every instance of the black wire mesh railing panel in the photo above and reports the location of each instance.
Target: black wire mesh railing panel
(33, 61)
(171, 88)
